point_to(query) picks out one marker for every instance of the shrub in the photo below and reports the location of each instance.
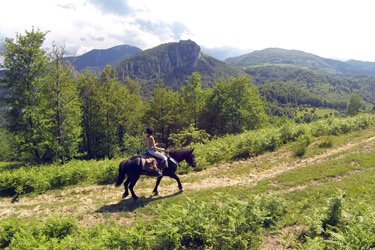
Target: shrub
(330, 229)
(326, 143)
(58, 227)
(299, 149)
(233, 225)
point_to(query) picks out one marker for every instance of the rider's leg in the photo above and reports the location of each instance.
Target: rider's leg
(157, 154)
(156, 169)
(164, 163)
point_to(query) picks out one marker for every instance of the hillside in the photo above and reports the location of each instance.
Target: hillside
(331, 89)
(173, 63)
(304, 60)
(271, 201)
(97, 59)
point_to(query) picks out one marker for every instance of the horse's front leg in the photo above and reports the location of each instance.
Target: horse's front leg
(174, 176)
(155, 191)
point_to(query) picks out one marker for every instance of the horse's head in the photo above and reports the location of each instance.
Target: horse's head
(184, 154)
(190, 159)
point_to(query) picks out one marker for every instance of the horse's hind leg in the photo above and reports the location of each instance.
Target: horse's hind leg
(131, 186)
(126, 184)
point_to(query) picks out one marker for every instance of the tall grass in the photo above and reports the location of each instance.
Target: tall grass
(220, 224)
(20, 180)
(256, 142)
(56, 176)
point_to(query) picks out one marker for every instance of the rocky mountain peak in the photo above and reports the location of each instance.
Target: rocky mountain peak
(161, 59)
(184, 53)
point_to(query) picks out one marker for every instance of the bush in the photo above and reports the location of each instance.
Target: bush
(299, 149)
(255, 142)
(235, 225)
(326, 143)
(59, 228)
(330, 229)
(220, 224)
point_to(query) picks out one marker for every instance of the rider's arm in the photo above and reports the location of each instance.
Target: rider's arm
(154, 145)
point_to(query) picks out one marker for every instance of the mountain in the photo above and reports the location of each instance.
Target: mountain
(367, 66)
(334, 90)
(173, 63)
(97, 59)
(304, 60)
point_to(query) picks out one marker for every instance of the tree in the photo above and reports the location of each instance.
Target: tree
(111, 112)
(63, 103)
(108, 85)
(354, 105)
(27, 63)
(192, 96)
(164, 112)
(87, 83)
(130, 109)
(233, 105)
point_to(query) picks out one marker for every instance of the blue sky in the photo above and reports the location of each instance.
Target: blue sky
(328, 28)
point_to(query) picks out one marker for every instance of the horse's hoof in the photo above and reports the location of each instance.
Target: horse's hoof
(124, 195)
(181, 190)
(156, 193)
(135, 198)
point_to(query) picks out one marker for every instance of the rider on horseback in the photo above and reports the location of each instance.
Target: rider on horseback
(152, 148)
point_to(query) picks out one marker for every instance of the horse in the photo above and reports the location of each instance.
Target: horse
(132, 167)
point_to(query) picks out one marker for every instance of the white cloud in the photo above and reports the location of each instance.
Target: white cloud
(339, 29)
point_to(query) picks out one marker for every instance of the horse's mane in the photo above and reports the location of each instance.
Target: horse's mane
(180, 153)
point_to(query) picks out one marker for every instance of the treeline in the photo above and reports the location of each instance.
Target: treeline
(332, 92)
(55, 114)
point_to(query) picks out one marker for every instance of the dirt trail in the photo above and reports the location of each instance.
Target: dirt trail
(85, 202)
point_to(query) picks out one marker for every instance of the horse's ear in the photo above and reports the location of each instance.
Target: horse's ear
(192, 150)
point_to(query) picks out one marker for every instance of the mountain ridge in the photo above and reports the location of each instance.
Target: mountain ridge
(97, 59)
(303, 59)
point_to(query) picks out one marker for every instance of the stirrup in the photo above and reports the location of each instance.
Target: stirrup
(160, 173)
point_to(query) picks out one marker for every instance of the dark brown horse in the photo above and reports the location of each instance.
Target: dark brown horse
(133, 169)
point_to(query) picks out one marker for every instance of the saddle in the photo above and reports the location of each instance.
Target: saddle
(147, 162)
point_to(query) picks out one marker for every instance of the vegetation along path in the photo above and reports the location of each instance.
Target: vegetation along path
(95, 204)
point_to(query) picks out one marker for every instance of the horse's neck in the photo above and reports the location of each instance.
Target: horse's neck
(177, 155)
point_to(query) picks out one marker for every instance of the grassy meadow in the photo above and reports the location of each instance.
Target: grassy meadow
(297, 186)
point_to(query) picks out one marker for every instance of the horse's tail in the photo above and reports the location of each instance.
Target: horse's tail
(121, 172)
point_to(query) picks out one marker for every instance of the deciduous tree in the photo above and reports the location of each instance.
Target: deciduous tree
(192, 96)
(26, 64)
(164, 112)
(63, 105)
(233, 105)
(354, 105)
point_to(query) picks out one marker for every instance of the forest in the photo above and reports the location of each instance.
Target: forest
(52, 113)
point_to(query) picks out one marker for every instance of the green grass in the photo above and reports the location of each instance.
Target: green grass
(320, 112)
(196, 218)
